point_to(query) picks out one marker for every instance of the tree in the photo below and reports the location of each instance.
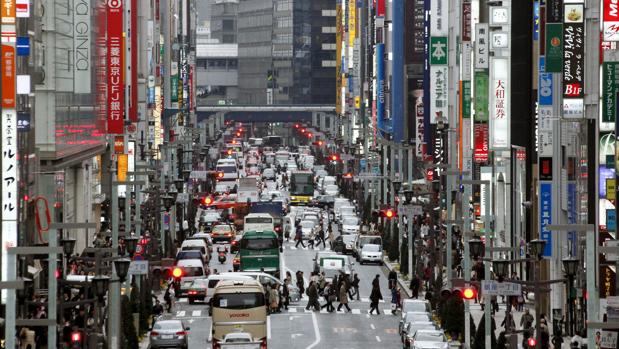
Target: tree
(129, 334)
(480, 335)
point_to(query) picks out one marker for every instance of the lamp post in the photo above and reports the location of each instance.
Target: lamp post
(536, 248)
(501, 269)
(408, 200)
(396, 185)
(571, 268)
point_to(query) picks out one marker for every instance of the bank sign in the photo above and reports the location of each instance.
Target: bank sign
(610, 18)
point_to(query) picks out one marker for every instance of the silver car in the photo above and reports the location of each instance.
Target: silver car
(169, 334)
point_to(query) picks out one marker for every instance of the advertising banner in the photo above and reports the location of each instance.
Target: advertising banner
(466, 21)
(500, 104)
(380, 87)
(7, 13)
(610, 81)
(554, 11)
(419, 127)
(481, 96)
(380, 8)
(439, 106)
(610, 18)
(123, 167)
(439, 18)
(554, 48)
(338, 60)
(545, 215)
(438, 50)
(8, 76)
(544, 87)
(481, 46)
(9, 164)
(352, 22)
(115, 95)
(82, 46)
(573, 54)
(480, 134)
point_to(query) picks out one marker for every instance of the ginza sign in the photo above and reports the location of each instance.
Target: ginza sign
(611, 20)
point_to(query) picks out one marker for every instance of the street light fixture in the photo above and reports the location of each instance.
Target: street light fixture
(122, 268)
(501, 268)
(186, 175)
(396, 186)
(476, 246)
(571, 266)
(536, 247)
(101, 284)
(571, 269)
(408, 196)
(121, 203)
(131, 244)
(178, 183)
(68, 245)
(168, 201)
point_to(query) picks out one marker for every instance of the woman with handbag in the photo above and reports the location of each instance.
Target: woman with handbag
(274, 299)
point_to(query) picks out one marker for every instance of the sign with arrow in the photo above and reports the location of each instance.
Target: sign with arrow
(438, 50)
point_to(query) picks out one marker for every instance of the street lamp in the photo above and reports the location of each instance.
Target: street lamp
(408, 196)
(101, 284)
(536, 247)
(168, 201)
(571, 269)
(131, 244)
(178, 183)
(186, 175)
(68, 245)
(476, 247)
(122, 268)
(121, 203)
(501, 268)
(397, 184)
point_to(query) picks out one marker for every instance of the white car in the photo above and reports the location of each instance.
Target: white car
(268, 173)
(350, 225)
(371, 253)
(331, 189)
(306, 227)
(429, 339)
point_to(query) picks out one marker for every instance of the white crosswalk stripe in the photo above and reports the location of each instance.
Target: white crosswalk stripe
(180, 313)
(196, 313)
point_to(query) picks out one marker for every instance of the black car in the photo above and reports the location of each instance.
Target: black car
(344, 244)
(323, 201)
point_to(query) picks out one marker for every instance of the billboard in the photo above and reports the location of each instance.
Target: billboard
(115, 54)
(81, 46)
(554, 48)
(380, 87)
(573, 56)
(480, 134)
(610, 18)
(439, 106)
(500, 104)
(544, 87)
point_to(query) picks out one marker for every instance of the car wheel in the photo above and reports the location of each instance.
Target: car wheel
(381, 263)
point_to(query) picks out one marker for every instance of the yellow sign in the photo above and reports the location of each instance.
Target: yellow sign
(123, 166)
(352, 22)
(611, 189)
(338, 59)
(357, 102)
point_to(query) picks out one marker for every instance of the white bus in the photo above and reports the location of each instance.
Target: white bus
(259, 222)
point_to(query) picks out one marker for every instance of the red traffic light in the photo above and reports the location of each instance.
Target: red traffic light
(531, 342)
(220, 175)
(296, 126)
(334, 157)
(207, 200)
(309, 135)
(302, 130)
(76, 337)
(468, 293)
(390, 213)
(177, 272)
(320, 143)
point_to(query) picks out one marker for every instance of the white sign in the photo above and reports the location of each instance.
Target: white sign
(439, 105)
(611, 20)
(495, 288)
(198, 175)
(481, 46)
(608, 339)
(573, 108)
(22, 8)
(9, 165)
(138, 268)
(81, 46)
(467, 51)
(439, 18)
(417, 210)
(182, 198)
(499, 104)
(611, 256)
(419, 126)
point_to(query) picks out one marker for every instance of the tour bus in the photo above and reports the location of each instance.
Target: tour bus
(259, 222)
(260, 251)
(301, 187)
(239, 306)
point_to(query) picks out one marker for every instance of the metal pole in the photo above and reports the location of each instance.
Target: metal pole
(449, 227)
(114, 301)
(162, 213)
(487, 303)
(538, 329)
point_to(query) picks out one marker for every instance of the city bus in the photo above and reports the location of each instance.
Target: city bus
(301, 187)
(239, 306)
(259, 251)
(272, 141)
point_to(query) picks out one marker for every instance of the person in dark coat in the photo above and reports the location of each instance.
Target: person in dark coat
(355, 286)
(312, 293)
(375, 282)
(375, 297)
(393, 279)
(415, 283)
(299, 237)
(343, 298)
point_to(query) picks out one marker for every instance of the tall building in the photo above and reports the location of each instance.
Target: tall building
(322, 51)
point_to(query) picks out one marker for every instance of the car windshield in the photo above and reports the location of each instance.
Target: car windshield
(200, 283)
(168, 325)
(222, 228)
(430, 337)
(189, 254)
(193, 271)
(238, 340)
(372, 248)
(331, 187)
(238, 300)
(226, 169)
(259, 244)
(414, 306)
(414, 316)
(350, 221)
(349, 238)
(307, 224)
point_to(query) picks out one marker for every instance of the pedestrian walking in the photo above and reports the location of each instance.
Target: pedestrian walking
(331, 238)
(286, 293)
(343, 298)
(299, 237)
(393, 279)
(375, 282)
(273, 299)
(355, 286)
(395, 300)
(414, 286)
(526, 321)
(375, 297)
(321, 236)
(310, 239)
(329, 294)
(312, 293)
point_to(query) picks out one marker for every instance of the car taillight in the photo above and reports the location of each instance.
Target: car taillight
(228, 234)
(236, 261)
(263, 344)
(278, 228)
(192, 292)
(181, 333)
(154, 333)
(235, 242)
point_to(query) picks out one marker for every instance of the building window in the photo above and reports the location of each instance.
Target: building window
(328, 29)
(328, 63)
(328, 13)
(228, 38)
(228, 24)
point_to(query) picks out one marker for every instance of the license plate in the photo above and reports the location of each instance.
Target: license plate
(166, 336)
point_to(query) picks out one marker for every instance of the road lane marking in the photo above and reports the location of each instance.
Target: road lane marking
(377, 338)
(268, 327)
(316, 331)
(292, 310)
(180, 313)
(356, 311)
(196, 313)
(372, 326)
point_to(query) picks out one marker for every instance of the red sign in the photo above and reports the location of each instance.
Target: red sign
(133, 103)
(380, 8)
(521, 155)
(8, 76)
(611, 10)
(480, 154)
(115, 98)
(466, 21)
(119, 145)
(429, 174)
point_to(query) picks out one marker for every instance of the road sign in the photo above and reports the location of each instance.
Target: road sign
(138, 268)
(438, 50)
(495, 288)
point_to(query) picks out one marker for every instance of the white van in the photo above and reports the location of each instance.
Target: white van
(214, 279)
(227, 172)
(196, 244)
(192, 269)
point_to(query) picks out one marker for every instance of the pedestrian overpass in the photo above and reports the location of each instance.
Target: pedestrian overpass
(264, 113)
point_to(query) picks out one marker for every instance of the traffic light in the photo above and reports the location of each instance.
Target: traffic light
(177, 272)
(207, 200)
(469, 293)
(76, 340)
(465, 293)
(334, 157)
(297, 126)
(309, 135)
(388, 213)
(531, 342)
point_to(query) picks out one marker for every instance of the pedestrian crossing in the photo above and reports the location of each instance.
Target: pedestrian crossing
(304, 298)
(201, 314)
(292, 247)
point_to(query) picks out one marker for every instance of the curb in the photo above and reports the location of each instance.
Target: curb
(403, 284)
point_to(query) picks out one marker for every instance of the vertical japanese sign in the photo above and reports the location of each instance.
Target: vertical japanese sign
(7, 12)
(481, 96)
(609, 91)
(554, 11)
(480, 134)
(611, 20)
(466, 99)
(174, 82)
(554, 47)
(438, 19)
(481, 46)
(466, 21)
(419, 125)
(352, 23)
(573, 60)
(380, 87)
(499, 106)
(115, 97)
(438, 92)
(380, 8)
(9, 187)
(133, 103)
(545, 216)
(8, 76)
(338, 60)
